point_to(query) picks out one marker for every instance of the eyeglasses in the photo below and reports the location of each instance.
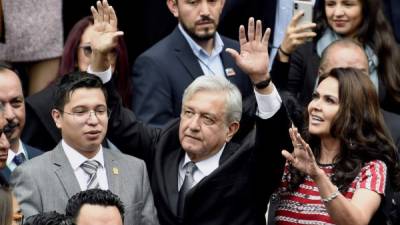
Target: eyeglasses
(87, 50)
(84, 115)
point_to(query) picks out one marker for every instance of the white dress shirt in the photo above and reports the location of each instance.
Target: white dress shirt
(76, 160)
(204, 167)
(11, 154)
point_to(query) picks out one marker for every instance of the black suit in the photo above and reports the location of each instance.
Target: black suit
(31, 153)
(162, 73)
(236, 192)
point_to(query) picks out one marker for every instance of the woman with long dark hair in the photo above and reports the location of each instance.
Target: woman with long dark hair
(296, 65)
(338, 173)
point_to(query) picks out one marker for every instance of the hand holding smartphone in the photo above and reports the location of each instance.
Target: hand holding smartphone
(306, 7)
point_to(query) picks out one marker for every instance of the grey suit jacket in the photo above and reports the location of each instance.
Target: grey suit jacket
(45, 183)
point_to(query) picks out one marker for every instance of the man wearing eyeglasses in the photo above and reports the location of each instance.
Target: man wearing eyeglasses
(79, 162)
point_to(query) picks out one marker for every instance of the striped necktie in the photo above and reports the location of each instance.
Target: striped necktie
(186, 186)
(90, 167)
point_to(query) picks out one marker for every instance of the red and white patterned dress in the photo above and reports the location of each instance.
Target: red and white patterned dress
(304, 206)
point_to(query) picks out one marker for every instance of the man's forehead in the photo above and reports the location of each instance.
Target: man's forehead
(345, 57)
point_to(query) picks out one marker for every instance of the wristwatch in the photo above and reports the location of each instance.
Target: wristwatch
(262, 84)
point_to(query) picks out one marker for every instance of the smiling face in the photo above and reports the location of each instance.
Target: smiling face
(199, 18)
(85, 134)
(12, 97)
(203, 129)
(323, 107)
(344, 16)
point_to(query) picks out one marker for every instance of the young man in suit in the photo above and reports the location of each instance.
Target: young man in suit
(12, 97)
(79, 162)
(95, 206)
(194, 48)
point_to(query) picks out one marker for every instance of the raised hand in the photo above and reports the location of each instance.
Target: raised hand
(302, 157)
(253, 58)
(106, 27)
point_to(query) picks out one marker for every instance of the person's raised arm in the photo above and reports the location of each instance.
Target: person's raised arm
(359, 210)
(106, 35)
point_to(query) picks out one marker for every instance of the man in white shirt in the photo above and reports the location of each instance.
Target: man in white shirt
(12, 97)
(79, 162)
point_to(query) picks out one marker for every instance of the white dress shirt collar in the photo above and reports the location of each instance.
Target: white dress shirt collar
(76, 159)
(11, 154)
(204, 167)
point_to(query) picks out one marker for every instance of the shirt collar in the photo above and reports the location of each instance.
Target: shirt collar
(12, 154)
(198, 50)
(76, 159)
(208, 165)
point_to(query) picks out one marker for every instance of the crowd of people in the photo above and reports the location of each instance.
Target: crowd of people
(205, 129)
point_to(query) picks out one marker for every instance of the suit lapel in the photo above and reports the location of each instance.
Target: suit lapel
(185, 54)
(112, 171)
(170, 177)
(6, 172)
(65, 172)
(227, 62)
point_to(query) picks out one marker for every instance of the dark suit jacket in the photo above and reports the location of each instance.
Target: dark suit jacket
(162, 73)
(30, 151)
(236, 192)
(40, 130)
(299, 76)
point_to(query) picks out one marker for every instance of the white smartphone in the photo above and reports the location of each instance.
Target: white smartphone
(306, 7)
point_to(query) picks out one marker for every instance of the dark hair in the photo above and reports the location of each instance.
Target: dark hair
(359, 126)
(72, 81)
(69, 59)
(376, 32)
(48, 218)
(5, 202)
(93, 197)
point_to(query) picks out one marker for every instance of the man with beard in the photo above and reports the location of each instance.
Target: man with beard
(12, 97)
(194, 48)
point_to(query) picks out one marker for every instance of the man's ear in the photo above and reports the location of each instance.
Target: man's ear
(56, 114)
(173, 7)
(232, 129)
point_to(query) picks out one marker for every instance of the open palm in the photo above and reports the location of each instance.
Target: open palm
(302, 157)
(253, 58)
(106, 27)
